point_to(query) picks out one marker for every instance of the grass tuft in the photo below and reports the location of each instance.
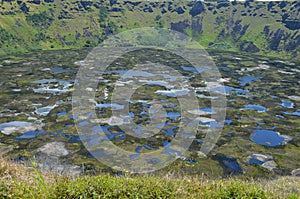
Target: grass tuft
(17, 181)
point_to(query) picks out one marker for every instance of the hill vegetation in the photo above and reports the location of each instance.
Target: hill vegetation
(268, 28)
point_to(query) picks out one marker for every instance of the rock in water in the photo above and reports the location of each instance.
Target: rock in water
(56, 149)
(296, 172)
(265, 161)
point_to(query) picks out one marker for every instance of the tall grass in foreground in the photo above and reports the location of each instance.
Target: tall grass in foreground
(16, 181)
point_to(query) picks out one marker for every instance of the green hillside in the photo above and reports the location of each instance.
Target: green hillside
(268, 28)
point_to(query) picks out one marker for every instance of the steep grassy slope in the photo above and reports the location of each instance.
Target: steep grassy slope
(255, 27)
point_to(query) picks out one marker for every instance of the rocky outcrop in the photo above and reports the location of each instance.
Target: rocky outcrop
(86, 4)
(292, 25)
(24, 8)
(148, 9)
(197, 24)
(197, 9)
(35, 2)
(180, 26)
(249, 47)
(180, 10)
(223, 4)
(64, 15)
(296, 172)
(113, 2)
(275, 39)
(293, 44)
(264, 161)
(134, 3)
